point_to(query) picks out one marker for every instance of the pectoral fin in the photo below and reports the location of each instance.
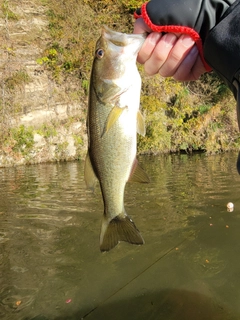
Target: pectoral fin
(138, 174)
(141, 124)
(112, 118)
(89, 175)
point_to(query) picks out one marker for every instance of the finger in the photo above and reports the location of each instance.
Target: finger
(160, 53)
(176, 56)
(184, 71)
(141, 27)
(191, 68)
(148, 47)
(198, 69)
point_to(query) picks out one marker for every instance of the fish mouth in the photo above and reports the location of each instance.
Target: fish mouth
(123, 39)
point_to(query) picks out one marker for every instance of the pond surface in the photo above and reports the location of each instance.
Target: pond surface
(51, 267)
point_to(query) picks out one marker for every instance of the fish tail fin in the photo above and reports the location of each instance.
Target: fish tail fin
(120, 228)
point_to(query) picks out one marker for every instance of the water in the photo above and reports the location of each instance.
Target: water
(51, 267)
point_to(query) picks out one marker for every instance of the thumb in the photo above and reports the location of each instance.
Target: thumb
(141, 27)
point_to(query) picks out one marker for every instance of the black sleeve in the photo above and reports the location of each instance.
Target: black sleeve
(200, 15)
(193, 17)
(222, 47)
(213, 23)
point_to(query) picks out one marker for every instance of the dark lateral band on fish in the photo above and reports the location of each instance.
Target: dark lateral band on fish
(113, 122)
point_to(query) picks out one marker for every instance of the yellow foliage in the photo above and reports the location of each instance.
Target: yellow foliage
(179, 116)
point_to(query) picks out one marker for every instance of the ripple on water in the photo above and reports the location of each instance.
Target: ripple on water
(49, 229)
(14, 299)
(4, 236)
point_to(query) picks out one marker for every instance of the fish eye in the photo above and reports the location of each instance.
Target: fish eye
(99, 53)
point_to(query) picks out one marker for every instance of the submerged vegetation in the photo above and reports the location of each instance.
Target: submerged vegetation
(186, 117)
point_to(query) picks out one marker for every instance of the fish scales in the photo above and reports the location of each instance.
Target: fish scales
(113, 122)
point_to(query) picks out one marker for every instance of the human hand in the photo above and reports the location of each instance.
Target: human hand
(177, 28)
(170, 55)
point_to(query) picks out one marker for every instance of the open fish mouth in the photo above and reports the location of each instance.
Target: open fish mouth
(123, 39)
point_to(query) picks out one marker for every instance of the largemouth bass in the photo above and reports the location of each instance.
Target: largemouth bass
(113, 122)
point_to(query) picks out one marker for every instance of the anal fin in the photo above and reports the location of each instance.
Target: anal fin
(138, 174)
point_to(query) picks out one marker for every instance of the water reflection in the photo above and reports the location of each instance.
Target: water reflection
(51, 266)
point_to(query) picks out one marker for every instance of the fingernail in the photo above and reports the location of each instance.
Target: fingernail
(187, 41)
(154, 37)
(169, 40)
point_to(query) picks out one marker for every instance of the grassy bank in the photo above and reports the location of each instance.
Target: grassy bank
(190, 116)
(179, 116)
